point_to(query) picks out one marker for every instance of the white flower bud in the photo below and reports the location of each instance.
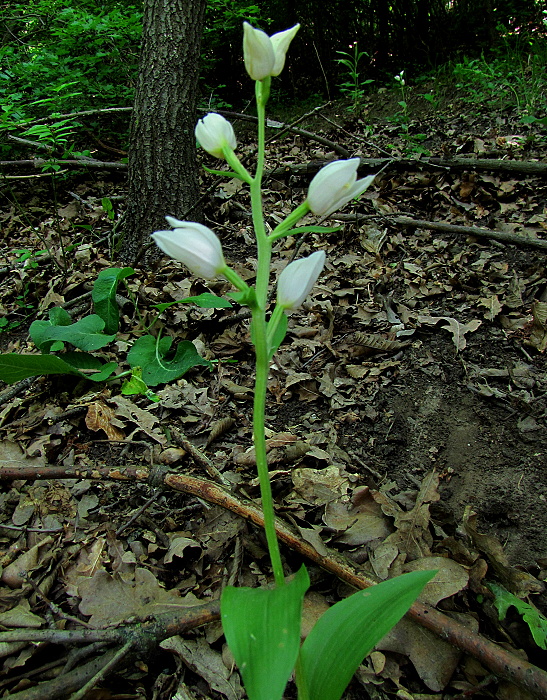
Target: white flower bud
(194, 245)
(298, 278)
(213, 133)
(264, 55)
(335, 185)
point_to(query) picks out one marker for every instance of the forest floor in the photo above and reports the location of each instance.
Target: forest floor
(406, 420)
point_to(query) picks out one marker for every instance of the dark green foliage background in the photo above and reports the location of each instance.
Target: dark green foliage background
(56, 58)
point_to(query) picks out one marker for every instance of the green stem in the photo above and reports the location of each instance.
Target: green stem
(294, 217)
(259, 334)
(259, 408)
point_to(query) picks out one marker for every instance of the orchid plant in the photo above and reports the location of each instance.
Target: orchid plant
(262, 625)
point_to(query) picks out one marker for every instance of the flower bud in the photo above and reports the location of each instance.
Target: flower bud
(194, 245)
(298, 278)
(214, 133)
(264, 55)
(335, 185)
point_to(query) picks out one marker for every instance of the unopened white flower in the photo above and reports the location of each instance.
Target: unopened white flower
(194, 245)
(214, 133)
(265, 55)
(298, 278)
(335, 185)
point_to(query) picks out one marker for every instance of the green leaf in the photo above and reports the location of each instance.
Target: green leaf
(159, 366)
(205, 301)
(222, 173)
(15, 367)
(262, 628)
(348, 631)
(534, 619)
(279, 335)
(104, 296)
(85, 334)
(246, 298)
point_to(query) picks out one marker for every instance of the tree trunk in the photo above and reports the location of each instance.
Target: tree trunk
(163, 176)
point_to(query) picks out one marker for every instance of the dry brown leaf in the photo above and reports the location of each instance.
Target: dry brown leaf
(320, 486)
(99, 416)
(109, 599)
(457, 329)
(450, 578)
(207, 663)
(518, 582)
(434, 660)
(360, 523)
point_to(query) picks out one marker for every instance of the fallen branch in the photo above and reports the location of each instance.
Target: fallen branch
(503, 236)
(524, 167)
(141, 637)
(498, 660)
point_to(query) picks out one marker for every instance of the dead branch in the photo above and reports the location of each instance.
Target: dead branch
(39, 162)
(524, 167)
(500, 662)
(503, 236)
(130, 639)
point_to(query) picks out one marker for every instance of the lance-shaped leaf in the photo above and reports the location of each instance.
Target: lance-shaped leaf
(262, 628)
(348, 631)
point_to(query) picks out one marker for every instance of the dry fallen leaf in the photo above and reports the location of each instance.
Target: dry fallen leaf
(109, 599)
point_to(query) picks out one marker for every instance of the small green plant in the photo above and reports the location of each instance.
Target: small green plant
(262, 625)
(537, 623)
(353, 85)
(402, 117)
(151, 359)
(432, 99)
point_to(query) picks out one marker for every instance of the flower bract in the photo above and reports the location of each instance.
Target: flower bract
(264, 55)
(194, 245)
(335, 185)
(214, 132)
(298, 278)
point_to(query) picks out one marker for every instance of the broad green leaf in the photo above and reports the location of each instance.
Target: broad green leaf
(104, 296)
(159, 366)
(262, 628)
(15, 367)
(39, 331)
(348, 631)
(534, 619)
(205, 301)
(86, 334)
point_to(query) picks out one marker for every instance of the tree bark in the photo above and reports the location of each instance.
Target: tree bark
(163, 176)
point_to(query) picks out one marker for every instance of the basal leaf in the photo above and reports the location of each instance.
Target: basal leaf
(104, 296)
(262, 628)
(15, 367)
(158, 366)
(348, 631)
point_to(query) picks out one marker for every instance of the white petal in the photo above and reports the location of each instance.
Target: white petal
(258, 52)
(298, 278)
(280, 42)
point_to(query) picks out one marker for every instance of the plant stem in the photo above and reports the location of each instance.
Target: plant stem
(259, 407)
(258, 335)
